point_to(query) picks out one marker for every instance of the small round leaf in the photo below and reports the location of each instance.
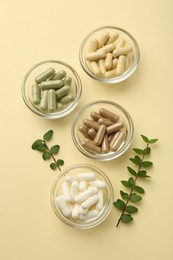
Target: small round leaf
(135, 198)
(53, 166)
(48, 135)
(54, 149)
(119, 204)
(36, 143)
(60, 162)
(131, 209)
(46, 155)
(126, 218)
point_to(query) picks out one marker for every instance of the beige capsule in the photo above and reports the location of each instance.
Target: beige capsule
(118, 141)
(108, 48)
(89, 145)
(110, 74)
(94, 67)
(93, 56)
(102, 39)
(91, 124)
(100, 135)
(120, 43)
(105, 144)
(84, 130)
(113, 137)
(115, 127)
(108, 61)
(114, 63)
(101, 64)
(112, 37)
(121, 65)
(93, 45)
(108, 114)
(95, 115)
(122, 51)
(92, 133)
(105, 121)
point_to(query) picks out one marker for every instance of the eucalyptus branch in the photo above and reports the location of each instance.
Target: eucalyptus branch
(139, 161)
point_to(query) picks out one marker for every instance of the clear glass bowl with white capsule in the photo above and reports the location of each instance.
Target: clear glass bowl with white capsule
(82, 196)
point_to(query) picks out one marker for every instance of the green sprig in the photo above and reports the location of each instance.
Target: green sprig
(141, 164)
(47, 153)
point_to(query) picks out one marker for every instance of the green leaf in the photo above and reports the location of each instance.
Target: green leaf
(41, 147)
(147, 151)
(53, 166)
(143, 174)
(131, 171)
(48, 135)
(54, 149)
(60, 162)
(145, 139)
(126, 218)
(131, 209)
(127, 184)
(36, 143)
(119, 204)
(124, 195)
(136, 160)
(131, 180)
(147, 164)
(135, 198)
(152, 141)
(138, 151)
(46, 155)
(139, 189)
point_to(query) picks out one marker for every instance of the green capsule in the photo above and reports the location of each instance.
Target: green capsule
(44, 100)
(51, 100)
(59, 106)
(45, 75)
(67, 99)
(59, 75)
(62, 92)
(36, 94)
(67, 80)
(55, 84)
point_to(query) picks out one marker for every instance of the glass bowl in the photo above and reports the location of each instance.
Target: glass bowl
(118, 70)
(29, 80)
(82, 222)
(84, 113)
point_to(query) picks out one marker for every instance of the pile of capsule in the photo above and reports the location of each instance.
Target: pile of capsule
(82, 196)
(51, 91)
(103, 133)
(109, 55)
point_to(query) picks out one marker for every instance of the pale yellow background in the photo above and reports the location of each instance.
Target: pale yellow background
(35, 30)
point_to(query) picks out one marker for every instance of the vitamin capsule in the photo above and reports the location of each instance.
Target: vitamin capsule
(55, 84)
(122, 51)
(113, 137)
(115, 127)
(74, 189)
(95, 115)
(51, 100)
(86, 176)
(110, 74)
(109, 48)
(83, 185)
(105, 144)
(99, 204)
(114, 63)
(35, 94)
(59, 106)
(67, 80)
(121, 65)
(119, 140)
(89, 145)
(62, 205)
(84, 130)
(108, 114)
(93, 45)
(98, 183)
(44, 100)
(92, 133)
(108, 61)
(129, 59)
(100, 135)
(90, 201)
(84, 195)
(45, 75)
(102, 39)
(113, 37)
(69, 179)
(120, 43)
(93, 56)
(105, 121)
(66, 192)
(75, 212)
(83, 211)
(101, 64)
(67, 99)
(62, 92)
(59, 75)
(91, 124)
(95, 68)
(90, 214)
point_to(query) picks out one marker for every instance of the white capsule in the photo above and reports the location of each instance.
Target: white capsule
(95, 55)
(63, 207)
(66, 192)
(86, 176)
(99, 204)
(83, 211)
(90, 214)
(102, 39)
(69, 179)
(93, 45)
(98, 183)
(95, 68)
(108, 61)
(90, 201)
(101, 64)
(84, 195)
(83, 185)
(75, 212)
(121, 65)
(74, 189)
(112, 38)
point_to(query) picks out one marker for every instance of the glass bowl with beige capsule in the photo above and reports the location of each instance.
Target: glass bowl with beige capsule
(102, 130)
(51, 89)
(82, 196)
(109, 54)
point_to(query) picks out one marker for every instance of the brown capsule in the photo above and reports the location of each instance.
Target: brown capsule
(100, 135)
(108, 114)
(105, 144)
(118, 141)
(115, 127)
(89, 145)
(91, 124)
(92, 133)
(84, 130)
(113, 137)
(105, 121)
(94, 115)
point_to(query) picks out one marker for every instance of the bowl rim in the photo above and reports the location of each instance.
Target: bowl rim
(104, 214)
(69, 108)
(98, 157)
(117, 79)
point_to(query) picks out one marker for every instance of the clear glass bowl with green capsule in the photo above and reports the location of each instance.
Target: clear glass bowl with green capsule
(51, 89)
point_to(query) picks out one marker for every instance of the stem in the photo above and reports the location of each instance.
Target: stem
(132, 189)
(52, 155)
